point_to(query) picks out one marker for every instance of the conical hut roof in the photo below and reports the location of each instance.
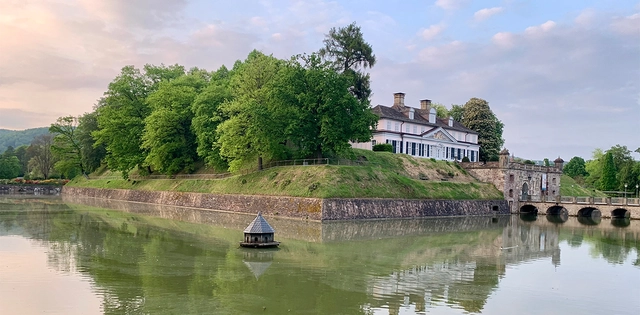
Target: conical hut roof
(259, 225)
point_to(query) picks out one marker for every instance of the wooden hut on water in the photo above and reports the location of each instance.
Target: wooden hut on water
(259, 234)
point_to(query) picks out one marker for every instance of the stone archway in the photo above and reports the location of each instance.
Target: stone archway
(531, 209)
(620, 213)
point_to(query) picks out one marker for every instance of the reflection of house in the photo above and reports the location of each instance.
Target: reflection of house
(418, 132)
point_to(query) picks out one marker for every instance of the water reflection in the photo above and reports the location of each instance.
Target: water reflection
(155, 259)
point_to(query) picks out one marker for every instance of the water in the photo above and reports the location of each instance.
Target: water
(77, 257)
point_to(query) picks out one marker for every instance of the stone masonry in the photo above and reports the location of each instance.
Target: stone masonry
(519, 181)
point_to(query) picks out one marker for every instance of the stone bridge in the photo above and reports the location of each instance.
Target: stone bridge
(584, 207)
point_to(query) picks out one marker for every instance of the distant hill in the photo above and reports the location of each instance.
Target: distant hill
(16, 138)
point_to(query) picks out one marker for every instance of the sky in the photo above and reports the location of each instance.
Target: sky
(563, 76)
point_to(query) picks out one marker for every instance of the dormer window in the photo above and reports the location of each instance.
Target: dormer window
(411, 113)
(432, 116)
(450, 121)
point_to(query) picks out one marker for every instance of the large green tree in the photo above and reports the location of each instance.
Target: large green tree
(207, 116)
(349, 54)
(92, 153)
(478, 116)
(66, 147)
(9, 166)
(608, 181)
(122, 113)
(254, 128)
(167, 134)
(326, 115)
(575, 167)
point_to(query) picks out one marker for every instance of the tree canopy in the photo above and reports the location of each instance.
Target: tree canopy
(477, 116)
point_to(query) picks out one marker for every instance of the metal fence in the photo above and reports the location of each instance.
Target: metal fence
(299, 162)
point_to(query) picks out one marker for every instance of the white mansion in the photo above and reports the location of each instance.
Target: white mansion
(418, 132)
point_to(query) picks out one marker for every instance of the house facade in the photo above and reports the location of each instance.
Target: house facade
(420, 133)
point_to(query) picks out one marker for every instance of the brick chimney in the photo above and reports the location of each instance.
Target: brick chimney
(398, 100)
(425, 104)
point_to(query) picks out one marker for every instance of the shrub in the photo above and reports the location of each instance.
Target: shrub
(383, 147)
(465, 159)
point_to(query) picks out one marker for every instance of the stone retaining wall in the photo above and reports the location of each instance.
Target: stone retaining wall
(304, 208)
(345, 209)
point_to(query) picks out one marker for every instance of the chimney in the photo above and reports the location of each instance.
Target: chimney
(425, 104)
(398, 99)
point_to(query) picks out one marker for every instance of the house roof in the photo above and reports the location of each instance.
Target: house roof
(259, 225)
(399, 114)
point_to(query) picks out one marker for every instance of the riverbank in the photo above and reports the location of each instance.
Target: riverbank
(384, 175)
(318, 209)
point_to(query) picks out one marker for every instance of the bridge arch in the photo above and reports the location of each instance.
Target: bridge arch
(557, 214)
(590, 212)
(620, 213)
(529, 209)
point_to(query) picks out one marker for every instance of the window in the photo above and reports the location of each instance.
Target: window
(511, 178)
(394, 145)
(428, 153)
(415, 129)
(408, 128)
(511, 191)
(388, 125)
(413, 149)
(397, 126)
(459, 153)
(553, 180)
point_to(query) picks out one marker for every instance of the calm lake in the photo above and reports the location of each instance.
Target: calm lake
(90, 256)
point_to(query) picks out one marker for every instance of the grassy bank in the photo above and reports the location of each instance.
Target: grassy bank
(569, 187)
(387, 175)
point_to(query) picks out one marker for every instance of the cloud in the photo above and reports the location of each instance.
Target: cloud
(450, 4)
(431, 32)
(557, 88)
(544, 27)
(629, 25)
(486, 13)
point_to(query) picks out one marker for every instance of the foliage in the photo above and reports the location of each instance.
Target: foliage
(122, 113)
(529, 162)
(22, 181)
(41, 159)
(383, 147)
(466, 159)
(66, 146)
(9, 166)
(478, 116)
(207, 117)
(608, 181)
(167, 137)
(546, 162)
(17, 138)
(441, 110)
(91, 152)
(348, 52)
(326, 116)
(575, 167)
(457, 112)
(255, 124)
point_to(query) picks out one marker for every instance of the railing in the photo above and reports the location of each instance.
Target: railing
(586, 200)
(299, 162)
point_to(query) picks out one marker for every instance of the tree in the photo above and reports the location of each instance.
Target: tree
(327, 115)
(253, 129)
(608, 181)
(348, 52)
(41, 159)
(594, 168)
(547, 162)
(122, 113)
(207, 116)
(91, 152)
(575, 167)
(478, 116)
(21, 154)
(66, 146)
(441, 110)
(457, 112)
(167, 134)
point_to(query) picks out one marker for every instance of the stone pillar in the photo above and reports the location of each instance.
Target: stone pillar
(504, 158)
